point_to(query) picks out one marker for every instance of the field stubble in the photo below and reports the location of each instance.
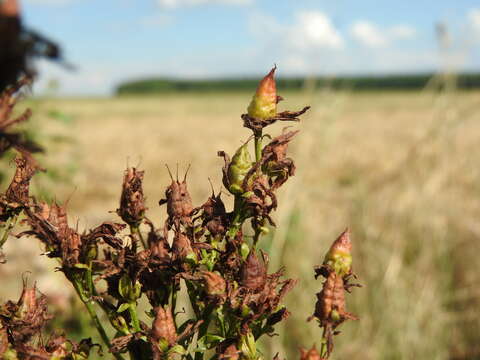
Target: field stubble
(400, 169)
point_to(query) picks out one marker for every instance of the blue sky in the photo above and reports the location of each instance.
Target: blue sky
(115, 40)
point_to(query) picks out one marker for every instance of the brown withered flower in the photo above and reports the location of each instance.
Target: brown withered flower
(8, 137)
(17, 195)
(49, 224)
(214, 215)
(262, 200)
(24, 319)
(275, 161)
(158, 244)
(132, 202)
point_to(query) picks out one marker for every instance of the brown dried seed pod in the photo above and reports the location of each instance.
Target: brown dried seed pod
(157, 244)
(164, 326)
(331, 306)
(230, 353)
(179, 202)
(17, 191)
(311, 354)
(214, 283)
(253, 273)
(181, 246)
(132, 202)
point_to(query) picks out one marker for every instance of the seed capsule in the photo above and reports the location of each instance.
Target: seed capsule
(339, 256)
(163, 326)
(238, 168)
(214, 283)
(253, 273)
(132, 202)
(311, 354)
(264, 102)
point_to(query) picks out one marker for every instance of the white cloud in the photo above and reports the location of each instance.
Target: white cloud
(373, 36)
(368, 34)
(474, 22)
(171, 4)
(402, 31)
(314, 29)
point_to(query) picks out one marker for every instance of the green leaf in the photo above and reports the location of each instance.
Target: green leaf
(137, 292)
(82, 266)
(177, 349)
(123, 307)
(163, 345)
(213, 340)
(191, 259)
(244, 250)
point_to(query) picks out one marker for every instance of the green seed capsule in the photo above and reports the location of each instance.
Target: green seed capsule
(339, 257)
(264, 102)
(238, 168)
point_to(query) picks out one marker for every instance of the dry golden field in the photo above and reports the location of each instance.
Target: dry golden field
(402, 170)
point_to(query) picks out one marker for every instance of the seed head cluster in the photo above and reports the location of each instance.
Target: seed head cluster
(209, 252)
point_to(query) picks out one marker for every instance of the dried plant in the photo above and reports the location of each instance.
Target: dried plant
(234, 297)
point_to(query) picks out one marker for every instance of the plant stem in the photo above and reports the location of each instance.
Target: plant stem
(136, 233)
(237, 217)
(323, 347)
(203, 329)
(89, 304)
(8, 226)
(258, 145)
(133, 314)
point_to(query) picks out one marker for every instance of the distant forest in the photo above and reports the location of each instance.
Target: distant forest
(360, 83)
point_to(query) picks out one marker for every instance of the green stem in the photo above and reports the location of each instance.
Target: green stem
(89, 304)
(133, 314)
(174, 298)
(256, 237)
(203, 329)
(237, 217)
(323, 347)
(8, 226)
